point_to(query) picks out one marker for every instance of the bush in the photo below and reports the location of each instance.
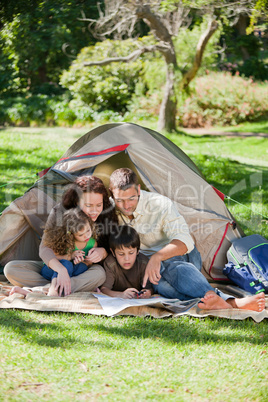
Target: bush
(223, 99)
(253, 67)
(108, 87)
(24, 110)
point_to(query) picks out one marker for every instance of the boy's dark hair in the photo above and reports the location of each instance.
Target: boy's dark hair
(124, 236)
(123, 178)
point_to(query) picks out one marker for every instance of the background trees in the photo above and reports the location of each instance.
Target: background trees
(166, 19)
(72, 61)
(39, 39)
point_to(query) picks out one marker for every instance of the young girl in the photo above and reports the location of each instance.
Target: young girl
(72, 243)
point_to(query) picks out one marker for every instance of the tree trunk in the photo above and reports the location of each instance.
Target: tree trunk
(241, 26)
(167, 114)
(42, 74)
(201, 46)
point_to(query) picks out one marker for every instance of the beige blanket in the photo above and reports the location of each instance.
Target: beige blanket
(87, 303)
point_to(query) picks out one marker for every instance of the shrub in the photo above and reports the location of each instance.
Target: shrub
(253, 67)
(223, 99)
(104, 87)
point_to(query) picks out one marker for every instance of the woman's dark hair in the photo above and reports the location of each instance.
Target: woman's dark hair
(89, 184)
(84, 184)
(124, 236)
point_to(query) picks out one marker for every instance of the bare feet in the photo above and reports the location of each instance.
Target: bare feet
(211, 301)
(255, 303)
(52, 291)
(17, 289)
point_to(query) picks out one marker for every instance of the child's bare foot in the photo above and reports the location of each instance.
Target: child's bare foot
(52, 291)
(255, 303)
(17, 289)
(211, 301)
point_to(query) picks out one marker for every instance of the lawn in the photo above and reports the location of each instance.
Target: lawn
(60, 356)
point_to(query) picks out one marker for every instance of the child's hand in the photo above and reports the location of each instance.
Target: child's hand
(130, 293)
(78, 256)
(146, 294)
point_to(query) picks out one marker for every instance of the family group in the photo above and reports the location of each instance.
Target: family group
(131, 245)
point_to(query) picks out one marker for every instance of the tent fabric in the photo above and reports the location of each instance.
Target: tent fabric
(161, 167)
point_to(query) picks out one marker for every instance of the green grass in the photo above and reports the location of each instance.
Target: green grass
(56, 357)
(256, 127)
(59, 356)
(238, 167)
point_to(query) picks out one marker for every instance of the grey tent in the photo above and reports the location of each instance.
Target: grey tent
(161, 167)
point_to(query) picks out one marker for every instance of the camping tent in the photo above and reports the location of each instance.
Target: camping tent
(161, 167)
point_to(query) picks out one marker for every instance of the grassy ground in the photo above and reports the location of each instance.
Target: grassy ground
(55, 357)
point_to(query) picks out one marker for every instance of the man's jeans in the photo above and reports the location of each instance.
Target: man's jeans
(181, 278)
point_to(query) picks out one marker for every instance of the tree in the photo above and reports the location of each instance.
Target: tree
(41, 38)
(165, 19)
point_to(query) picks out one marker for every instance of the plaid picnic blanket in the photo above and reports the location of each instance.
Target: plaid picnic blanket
(88, 303)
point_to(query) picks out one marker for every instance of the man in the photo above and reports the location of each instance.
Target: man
(175, 263)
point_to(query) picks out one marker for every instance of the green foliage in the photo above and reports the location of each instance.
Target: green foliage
(259, 12)
(34, 38)
(254, 67)
(221, 99)
(185, 45)
(109, 87)
(245, 53)
(250, 42)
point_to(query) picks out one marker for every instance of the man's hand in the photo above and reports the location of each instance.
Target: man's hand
(152, 271)
(63, 285)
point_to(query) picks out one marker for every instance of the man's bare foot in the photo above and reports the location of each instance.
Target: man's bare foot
(17, 289)
(211, 301)
(255, 303)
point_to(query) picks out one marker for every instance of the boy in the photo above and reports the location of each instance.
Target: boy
(125, 267)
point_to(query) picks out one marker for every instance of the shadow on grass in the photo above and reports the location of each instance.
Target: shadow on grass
(108, 332)
(53, 335)
(228, 175)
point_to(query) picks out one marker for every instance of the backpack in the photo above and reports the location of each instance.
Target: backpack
(248, 263)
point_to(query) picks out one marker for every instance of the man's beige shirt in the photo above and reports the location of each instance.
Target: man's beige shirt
(158, 222)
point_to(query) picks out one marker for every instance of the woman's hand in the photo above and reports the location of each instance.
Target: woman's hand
(95, 255)
(63, 285)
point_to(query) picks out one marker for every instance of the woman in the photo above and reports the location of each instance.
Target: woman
(90, 194)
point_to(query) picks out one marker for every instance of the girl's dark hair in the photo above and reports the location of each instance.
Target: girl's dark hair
(61, 239)
(89, 184)
(124, 236)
